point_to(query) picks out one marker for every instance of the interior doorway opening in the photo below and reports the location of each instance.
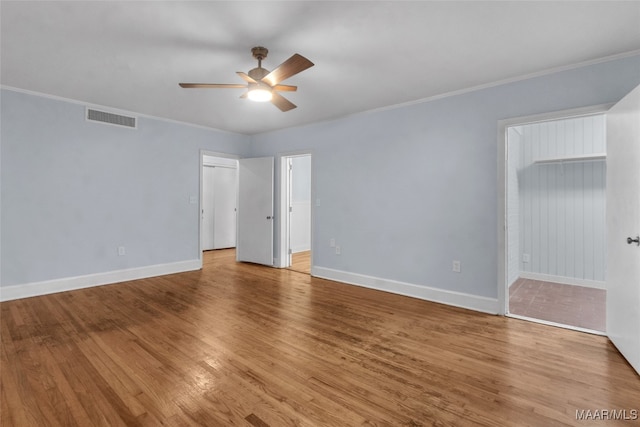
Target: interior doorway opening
(218, 201)
(555, 224)
(297, 212)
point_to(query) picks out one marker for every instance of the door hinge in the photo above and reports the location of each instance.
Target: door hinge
(290, 251)
(290, 208)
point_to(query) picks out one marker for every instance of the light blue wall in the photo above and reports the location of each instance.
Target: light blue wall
(407, 190)
(73, 191)
(403, 191)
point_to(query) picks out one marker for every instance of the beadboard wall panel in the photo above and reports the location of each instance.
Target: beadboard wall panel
(562, 203)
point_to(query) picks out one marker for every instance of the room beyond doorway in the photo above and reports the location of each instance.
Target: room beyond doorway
(218, 198)
(555, 221)
(578, 306)
(297, 212)
(301, 262)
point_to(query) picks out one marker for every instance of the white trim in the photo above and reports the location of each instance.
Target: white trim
(27, 290)
(509, 80)
(201, 165)
(596, 284)
(283, 256)
(283, 259)
(113, 110)
(512, 282)
(458, 92)
(557, 325)
(442, 296)
(503, 301)
(471, 89)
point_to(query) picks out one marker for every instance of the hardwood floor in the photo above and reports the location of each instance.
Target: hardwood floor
(301, 262)
(240, 344)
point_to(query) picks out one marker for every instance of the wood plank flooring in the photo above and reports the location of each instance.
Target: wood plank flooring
(246, 345)
(301, 262)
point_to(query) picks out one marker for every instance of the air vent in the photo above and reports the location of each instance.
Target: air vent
(111, 118)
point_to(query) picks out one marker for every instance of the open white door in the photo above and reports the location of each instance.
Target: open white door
(255, 211)
(623, 222)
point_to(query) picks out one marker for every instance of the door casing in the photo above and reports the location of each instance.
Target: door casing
(201, 195)
(283, 259)
(503, 125)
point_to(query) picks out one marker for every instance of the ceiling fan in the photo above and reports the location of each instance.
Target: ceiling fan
(263, 85)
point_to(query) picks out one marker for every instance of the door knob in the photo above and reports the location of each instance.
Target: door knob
(636, 240)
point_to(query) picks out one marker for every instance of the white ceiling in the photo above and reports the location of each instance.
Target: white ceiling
(131, 55)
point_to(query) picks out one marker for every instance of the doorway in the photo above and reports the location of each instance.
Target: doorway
(555, 240)
(296, 221)
(218, 202)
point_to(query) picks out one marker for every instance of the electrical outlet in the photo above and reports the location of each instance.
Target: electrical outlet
(338, 250)
(121, 251)
(456, 266)
(526, 258)
(332, 243)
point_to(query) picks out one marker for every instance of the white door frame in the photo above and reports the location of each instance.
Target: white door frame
(203, 153)
(284, 258)
(503, 125)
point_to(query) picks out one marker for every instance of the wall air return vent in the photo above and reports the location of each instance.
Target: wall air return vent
(111, 118)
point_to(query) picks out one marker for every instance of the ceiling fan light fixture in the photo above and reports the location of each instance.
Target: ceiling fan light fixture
(259, 93)
(263, 85)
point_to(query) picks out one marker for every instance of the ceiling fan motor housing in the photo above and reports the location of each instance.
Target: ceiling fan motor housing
(258, 73)
(259, 52)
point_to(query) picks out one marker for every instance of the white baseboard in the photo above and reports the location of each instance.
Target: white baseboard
(513, 281)
(564, 280)
(27, 290)
(301, 248)
(457, 299)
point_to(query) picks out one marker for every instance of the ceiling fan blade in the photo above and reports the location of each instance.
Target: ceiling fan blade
(288, 68)
(286, 88)
(281, 102)
(246, 77)
(211, 86)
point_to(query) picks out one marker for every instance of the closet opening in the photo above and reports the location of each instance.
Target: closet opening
(555, 223)
(218, 199)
